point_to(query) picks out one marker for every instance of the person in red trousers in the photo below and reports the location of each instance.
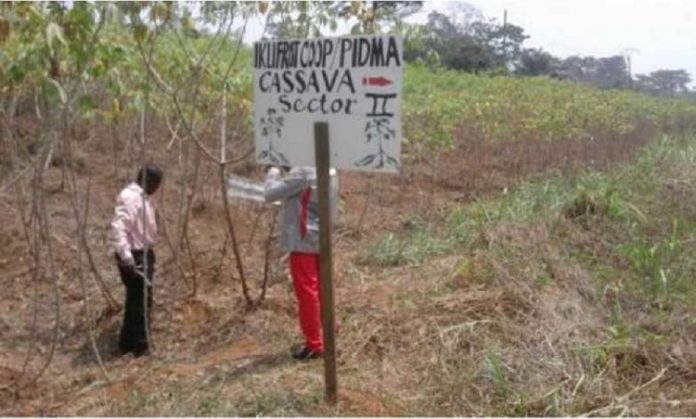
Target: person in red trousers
(296, 188)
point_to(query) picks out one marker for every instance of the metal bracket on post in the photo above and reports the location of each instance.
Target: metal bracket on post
(323, 163)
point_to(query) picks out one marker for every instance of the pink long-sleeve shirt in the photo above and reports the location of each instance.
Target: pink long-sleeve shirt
(134, 226)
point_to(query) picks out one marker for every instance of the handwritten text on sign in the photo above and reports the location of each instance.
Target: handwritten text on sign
(353, 83)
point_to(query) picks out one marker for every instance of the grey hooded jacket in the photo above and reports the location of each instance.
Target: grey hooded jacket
(299, 214)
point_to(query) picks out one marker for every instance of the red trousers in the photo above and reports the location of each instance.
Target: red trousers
(304, 268)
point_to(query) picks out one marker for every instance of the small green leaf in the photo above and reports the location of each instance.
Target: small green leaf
(54, 92)
(54, 31)
(35, 17)
(140, 32)
(86, 103)
(115, 85)
(161, 12)
(188, 24)
(16, 72)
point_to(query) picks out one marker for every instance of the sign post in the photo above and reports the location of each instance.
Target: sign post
(321, 150)
(350, 85)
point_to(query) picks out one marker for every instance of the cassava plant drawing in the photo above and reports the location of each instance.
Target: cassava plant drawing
(272, 127)
(377, 131)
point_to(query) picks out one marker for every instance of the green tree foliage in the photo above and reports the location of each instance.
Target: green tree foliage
(379, 16)
(605, 73)
(536, 62)
(664, 82)
(443, 39)
(457, 49)
(473, 45)
(502, 42)
(302, 19)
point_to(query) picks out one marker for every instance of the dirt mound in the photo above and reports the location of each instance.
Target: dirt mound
(244, 348)
(194, 312)
(143, 377)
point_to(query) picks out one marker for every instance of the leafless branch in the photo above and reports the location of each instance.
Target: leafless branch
(44, 230)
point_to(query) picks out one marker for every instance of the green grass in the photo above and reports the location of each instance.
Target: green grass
(418, 242)
(649, 232)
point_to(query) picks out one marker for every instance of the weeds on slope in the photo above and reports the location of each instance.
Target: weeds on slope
(568, 296)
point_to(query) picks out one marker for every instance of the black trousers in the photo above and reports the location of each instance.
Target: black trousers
(134, 333)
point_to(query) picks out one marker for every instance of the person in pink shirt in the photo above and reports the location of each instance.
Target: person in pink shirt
(133, 233)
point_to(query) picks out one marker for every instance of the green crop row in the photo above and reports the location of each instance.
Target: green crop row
(437, 103)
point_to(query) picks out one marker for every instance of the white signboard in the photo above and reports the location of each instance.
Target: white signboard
(353, 83)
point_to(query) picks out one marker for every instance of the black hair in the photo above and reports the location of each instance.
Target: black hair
(149, 176)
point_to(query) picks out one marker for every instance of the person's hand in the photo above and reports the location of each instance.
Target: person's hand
(140, 271)
(127, 259)
(273, 173)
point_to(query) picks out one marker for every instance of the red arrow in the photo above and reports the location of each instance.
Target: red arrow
(376, 81)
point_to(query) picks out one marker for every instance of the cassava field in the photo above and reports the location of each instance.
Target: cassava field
(536, 255)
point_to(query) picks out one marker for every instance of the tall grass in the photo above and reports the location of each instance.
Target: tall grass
(593, 278)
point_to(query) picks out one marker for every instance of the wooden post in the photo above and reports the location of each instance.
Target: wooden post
(323, 164)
